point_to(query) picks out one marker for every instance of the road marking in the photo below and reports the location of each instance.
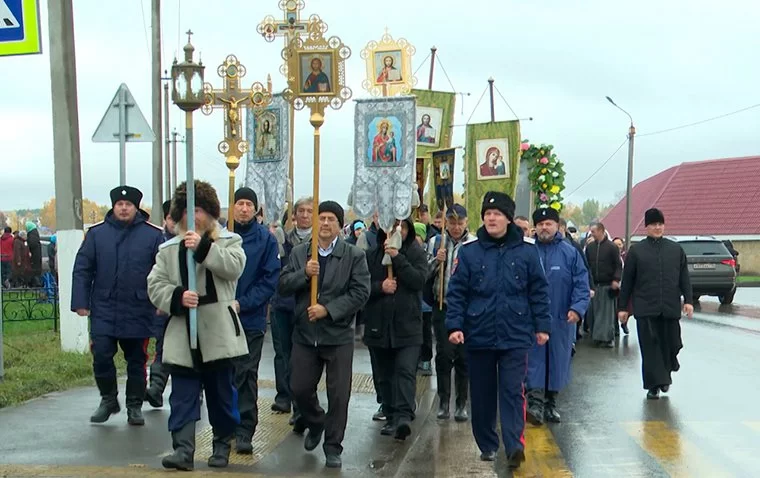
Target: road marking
(56, 471)
(543, 458)
(738, 444)
(675, 454)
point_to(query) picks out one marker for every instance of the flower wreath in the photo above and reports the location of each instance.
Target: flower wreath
(546, 174)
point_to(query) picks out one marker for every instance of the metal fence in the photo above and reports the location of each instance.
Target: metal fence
(22, 305)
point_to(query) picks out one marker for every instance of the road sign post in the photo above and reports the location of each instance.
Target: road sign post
(123, 123)
(19, 27)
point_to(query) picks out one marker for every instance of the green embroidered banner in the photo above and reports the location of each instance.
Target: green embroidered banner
(492, 160)
(435, 115)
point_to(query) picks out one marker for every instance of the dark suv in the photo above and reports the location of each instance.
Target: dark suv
(712, 268)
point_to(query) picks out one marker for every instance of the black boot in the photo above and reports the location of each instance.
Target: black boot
(220, 457)
(135, 395)
(109, 403)
(183, 443)
(550, 410)
(515, 458)
(535, 412)
(158, 378)
(243, 445)
(443, 409)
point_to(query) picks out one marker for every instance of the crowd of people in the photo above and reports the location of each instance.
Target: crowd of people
(499, 308)
(21, 254)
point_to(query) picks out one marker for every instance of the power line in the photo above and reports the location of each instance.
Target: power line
(145, 27)
(598, 169)
(699, 122)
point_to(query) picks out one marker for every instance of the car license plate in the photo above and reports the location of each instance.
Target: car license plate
(704, 266)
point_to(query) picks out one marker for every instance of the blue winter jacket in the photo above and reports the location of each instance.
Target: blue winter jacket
(498, 294)
(569, 290)
(110, 277)
(260, 277)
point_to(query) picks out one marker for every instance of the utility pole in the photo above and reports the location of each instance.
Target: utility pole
(174, 142)
(167, 156)
(158, 195)
(629, 179)
(68, 173)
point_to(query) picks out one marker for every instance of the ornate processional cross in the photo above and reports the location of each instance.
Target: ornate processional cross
(234, 101)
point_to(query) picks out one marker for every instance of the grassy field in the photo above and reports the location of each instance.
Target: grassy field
(35, 364)
(742, 279)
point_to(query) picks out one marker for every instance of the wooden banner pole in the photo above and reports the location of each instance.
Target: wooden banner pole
(317, 119)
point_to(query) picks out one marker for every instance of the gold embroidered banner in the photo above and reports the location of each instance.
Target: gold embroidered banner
(492, 159)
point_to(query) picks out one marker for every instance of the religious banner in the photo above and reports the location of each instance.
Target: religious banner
(443, 171)
(434, 117)
(492, 157)
(268, 155)
(385, 160)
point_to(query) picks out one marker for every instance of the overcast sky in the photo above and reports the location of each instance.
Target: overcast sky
(667, 62)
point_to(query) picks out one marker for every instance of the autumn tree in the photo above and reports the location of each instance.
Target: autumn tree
(92, 212)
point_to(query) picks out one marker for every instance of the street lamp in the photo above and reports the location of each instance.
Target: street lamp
(187, 94)
(629, 185)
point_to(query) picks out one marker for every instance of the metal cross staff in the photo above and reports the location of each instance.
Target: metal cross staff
(234, 100)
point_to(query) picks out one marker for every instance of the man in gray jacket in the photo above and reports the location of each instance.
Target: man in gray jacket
(323, 334)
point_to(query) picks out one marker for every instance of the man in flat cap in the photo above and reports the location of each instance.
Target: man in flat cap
(445, 250)
(254, 290)
(570, 293)
(656, 277)
(110, 286)
(498, 305)
(324, 335)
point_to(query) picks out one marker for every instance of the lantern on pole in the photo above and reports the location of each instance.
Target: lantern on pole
(188, 95)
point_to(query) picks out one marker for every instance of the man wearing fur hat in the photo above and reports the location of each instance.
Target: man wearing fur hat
(448, 356)
(219, 259)
(498, 304)
(656, 277)
(110, 286)
(570, 293)
(254, 289)
(393, 322)
(324, 335)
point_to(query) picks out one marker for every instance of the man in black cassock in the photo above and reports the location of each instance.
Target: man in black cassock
(656, 276)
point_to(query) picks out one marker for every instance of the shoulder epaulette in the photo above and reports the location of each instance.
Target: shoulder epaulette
(153, 225)
(529, 240)
(94, 225)
(470, 241)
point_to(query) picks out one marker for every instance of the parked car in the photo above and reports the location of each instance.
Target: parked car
(712, 268)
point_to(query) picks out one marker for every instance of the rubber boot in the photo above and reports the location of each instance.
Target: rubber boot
(535, 412)
(550, 410)
(183, 443)
(220, 456)
(109, 403)
(158, 378)
(135, 395)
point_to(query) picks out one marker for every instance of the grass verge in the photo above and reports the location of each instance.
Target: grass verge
(742, 279)
(35, 364)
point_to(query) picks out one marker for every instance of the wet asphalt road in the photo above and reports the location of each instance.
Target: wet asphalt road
(707, 425)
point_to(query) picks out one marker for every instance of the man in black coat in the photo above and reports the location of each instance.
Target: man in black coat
(656, 277)
(323, 335)
(393, 324)
(603, 258)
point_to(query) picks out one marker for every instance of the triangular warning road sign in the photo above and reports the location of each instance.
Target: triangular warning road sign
(136, 128)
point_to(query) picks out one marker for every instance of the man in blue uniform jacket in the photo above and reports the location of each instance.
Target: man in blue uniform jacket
(498, 306)
(254, 290)
(570, 292)
(110, 286)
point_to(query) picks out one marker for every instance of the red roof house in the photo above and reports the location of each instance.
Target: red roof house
(708, 198)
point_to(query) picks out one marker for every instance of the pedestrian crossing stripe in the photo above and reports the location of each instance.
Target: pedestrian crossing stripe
(677, 455)
(543, 456)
